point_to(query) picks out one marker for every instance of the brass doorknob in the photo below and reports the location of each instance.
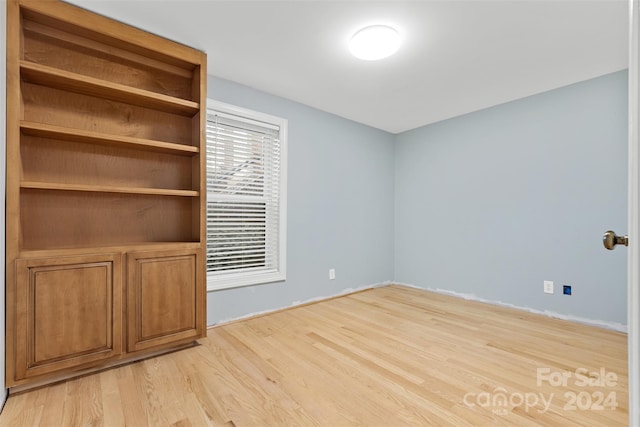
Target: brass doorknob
(610, 240)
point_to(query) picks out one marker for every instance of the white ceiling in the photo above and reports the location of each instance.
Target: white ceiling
(457, 56)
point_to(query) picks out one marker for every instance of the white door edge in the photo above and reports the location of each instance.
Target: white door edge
(633, 276)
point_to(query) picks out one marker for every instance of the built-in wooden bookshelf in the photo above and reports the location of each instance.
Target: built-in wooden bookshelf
(105, 193)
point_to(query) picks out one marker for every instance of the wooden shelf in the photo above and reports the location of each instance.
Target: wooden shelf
(65, 80)
(107, 189)
(128, 245)
(79, 135)
(31, 25)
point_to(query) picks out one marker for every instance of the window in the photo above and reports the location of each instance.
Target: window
(246, 197)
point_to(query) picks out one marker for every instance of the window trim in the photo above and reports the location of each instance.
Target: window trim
(240, 279)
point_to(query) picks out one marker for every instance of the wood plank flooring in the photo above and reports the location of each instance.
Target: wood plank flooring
(392, 356)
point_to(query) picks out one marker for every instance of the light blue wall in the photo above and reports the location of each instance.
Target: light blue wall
(494, 202)
(3, 145)
(490, 204)
(340, 210)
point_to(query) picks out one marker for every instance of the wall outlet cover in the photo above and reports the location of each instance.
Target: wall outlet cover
(548, 287)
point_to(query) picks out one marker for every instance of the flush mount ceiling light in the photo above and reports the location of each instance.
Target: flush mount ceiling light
(374, 42)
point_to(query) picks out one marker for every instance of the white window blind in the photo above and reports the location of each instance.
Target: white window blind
(245, 197)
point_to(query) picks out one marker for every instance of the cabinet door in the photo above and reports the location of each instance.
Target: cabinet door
(69, 312)
(165, 298)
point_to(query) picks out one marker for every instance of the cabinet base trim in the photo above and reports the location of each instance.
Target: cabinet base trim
(71, 375)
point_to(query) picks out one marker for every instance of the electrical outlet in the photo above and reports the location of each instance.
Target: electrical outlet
(548, 287)
(332, 274)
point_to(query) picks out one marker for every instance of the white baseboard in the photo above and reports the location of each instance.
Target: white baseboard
(619, 327)
(294, 304)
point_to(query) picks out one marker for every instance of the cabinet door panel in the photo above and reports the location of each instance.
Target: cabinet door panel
(165, 298)
(69, 312)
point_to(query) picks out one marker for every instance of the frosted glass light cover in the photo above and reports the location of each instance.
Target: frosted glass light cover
(374, 42)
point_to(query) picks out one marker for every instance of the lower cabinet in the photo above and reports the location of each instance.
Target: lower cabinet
(69, 312)
(164, 298)
(82, 312)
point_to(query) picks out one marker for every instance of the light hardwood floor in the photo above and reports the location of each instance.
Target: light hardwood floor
(391, 356)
